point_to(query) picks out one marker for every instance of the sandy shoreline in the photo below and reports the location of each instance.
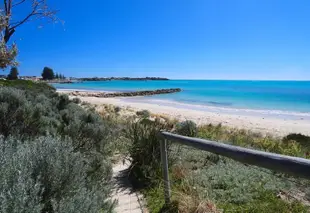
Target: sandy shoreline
(255, 122)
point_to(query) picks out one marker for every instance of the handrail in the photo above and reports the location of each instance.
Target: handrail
(294, 166)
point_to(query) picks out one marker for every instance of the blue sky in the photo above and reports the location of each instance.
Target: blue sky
(179, 39)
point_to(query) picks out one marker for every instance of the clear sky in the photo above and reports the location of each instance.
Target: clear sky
(179, 39)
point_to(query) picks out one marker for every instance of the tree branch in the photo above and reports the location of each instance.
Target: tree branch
(9, 8)
(23, 21)
(39, 10)
(5, 7)
(18, 3)
(35, 7)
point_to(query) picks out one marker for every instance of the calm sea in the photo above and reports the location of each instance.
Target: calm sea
(291, 96)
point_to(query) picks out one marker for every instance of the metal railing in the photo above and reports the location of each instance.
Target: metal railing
(298, 167)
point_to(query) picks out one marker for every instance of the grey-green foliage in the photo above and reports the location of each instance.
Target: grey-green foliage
(46, 175)
(27, 115)
(86, 129)
(76, 100)
(19, 116)
(187, 128)
(228, 181)
(36, 110)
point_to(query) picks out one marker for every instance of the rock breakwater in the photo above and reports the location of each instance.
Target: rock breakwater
(124, 94)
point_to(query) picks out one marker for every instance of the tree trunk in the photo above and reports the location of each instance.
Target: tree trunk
(8, 34)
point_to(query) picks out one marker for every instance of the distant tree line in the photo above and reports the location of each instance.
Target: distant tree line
(59, 76)
(47, 74)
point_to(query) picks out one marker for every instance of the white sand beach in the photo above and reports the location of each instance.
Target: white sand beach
(257, 122)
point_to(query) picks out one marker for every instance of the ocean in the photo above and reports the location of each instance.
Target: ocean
(282, 96)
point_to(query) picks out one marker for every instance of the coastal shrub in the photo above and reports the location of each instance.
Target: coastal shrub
(144, 150)
(90, 135)
(76, 100)
(46, 175)
(117, 109)
(21, 117)
(267, 202)
(301, 139)
(187, 128)
(28, 114)
(143, 114)
(233, 182)
(62, 101)
(229, 185)
(87, 130)
(30, 87)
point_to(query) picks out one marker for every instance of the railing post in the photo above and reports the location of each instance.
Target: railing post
(164, 161)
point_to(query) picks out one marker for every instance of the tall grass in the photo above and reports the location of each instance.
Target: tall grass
(292, 144)
(144, 150)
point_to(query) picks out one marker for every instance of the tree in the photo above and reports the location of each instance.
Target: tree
(48, 73)
(10, 20)
(61, 76)
(39, 10)
(13, 74)
(57, 76)
(7, 52)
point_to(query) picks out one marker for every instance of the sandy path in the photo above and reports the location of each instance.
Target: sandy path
(129, 201)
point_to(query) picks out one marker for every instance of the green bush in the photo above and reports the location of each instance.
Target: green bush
(21, 117)
(231, 182)
(301, 139)
(30, 87)
(143, 113)
(117, 109)
(46, 175)
(187, 128)
(76, 100)
(87, 129)
(27, 113)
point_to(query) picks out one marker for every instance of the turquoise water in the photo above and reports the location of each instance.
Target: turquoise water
(263, 95)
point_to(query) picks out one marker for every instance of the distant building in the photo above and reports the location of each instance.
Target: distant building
(3, 77)
(31, 78)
